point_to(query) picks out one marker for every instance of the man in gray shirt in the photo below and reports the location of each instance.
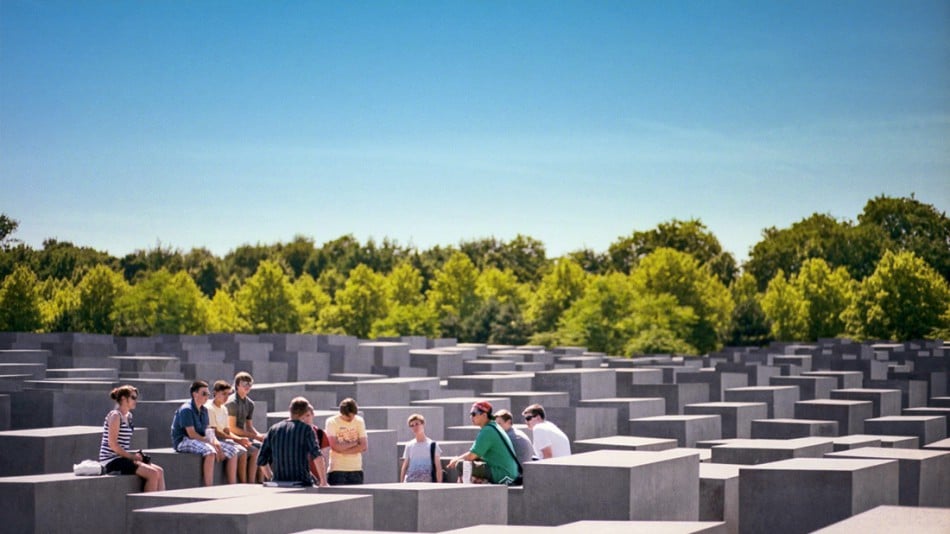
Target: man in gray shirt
(523, 447)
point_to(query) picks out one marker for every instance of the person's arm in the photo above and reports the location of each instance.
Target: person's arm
(264, 458)
(467, 457)
(438, 467)
(250, 431)
(321, 468)
(547, 452)
(402, 470)
(345, 448)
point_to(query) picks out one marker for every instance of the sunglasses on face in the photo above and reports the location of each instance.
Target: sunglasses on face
(476, 412)
(414, 424)
(204, 394)
(134, 397)
(529, 417)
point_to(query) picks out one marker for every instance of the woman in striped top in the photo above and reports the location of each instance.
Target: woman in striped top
(116, 441)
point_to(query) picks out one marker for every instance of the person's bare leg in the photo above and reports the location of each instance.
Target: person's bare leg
(208, 469)
(242, 467)
(232, 469)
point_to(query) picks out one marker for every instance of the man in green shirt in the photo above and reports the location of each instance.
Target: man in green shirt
(491, 446)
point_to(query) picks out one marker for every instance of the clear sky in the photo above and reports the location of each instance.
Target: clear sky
(128, 124)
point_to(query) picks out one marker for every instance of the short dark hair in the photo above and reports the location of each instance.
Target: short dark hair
(505, 415)
(535, 409)
(198, 384)
(222, 385)
(243, 376)
(348, 407)
(299, 407)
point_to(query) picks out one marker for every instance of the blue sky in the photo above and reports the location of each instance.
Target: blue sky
(214, 124)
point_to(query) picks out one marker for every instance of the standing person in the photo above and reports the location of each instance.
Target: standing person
(190, 434)
(240, 423)
(291, 447)
(116, 441)
(549, 440)
(347, 434)
(493, 447)
(218, 420)
(323, 443)
(524, 450)
(422, 457)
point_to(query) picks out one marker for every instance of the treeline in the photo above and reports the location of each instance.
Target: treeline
(668, 289)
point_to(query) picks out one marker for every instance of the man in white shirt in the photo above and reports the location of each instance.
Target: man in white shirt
(549, 440)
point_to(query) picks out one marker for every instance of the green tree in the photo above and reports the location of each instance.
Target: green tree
(162, 303)
(592, 262)
(840, 244)
(599, 318)
(407, 320)
(693, 285)
(691, 237)
(452, 295)
(8, 227)
(525, 257)
(331, 281)
(827, 295)
(242, 262)
(59, 305)
(224, 315)
(62, 259)
(205, 269)
(557, 291)
(267, 300)
(904, 299)
(658, 324)
(912, 226)
(786, 309)
(20, 302)
(750, 326)
(136, 264)
(99, 290)
(404, 286)
(360, 303)
(296, 253)
(312, 299)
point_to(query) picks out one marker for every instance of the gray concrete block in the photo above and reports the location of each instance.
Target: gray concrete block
(139, 501)
(5, 416)
(304, 366)
(779, 399)
(924, 475)
(685, 429)
(428, 507)
(758, 375)
(677, 396)
(630, 485)
(579, 384)
(793, 428)
(519, 400)
(928, 429)
(884, 402)
(385, 353)
(440, 363)
(803, 494)
(583, 423)
(73, 404)
(850, 414)
(623, 443)
(278, 513)
(628, 408)
(718, 381)
(489, 384)
(629, 376)
(855, 441)
(736, 417)
(719, 494)
(760, 451)
(63, 502)
(941, 445)
(913, 392)
(54, 450)
(183, 470)
(809, 387)
(843, 379)
(908, 519)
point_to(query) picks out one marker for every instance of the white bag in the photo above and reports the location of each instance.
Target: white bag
(89, 468)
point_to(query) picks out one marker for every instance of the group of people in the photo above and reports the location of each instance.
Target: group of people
(498, 452)
(219, 427)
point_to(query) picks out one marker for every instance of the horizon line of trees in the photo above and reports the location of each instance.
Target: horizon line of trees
(671, 289)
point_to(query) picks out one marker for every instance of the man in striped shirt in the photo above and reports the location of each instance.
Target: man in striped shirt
(290, 447)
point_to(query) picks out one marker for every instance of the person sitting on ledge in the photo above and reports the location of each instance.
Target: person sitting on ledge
(114, 451)
(493, 447)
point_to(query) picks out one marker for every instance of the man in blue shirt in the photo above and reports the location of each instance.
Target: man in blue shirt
(190, 434)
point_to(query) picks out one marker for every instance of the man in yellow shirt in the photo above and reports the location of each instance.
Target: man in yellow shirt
(347, 434)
